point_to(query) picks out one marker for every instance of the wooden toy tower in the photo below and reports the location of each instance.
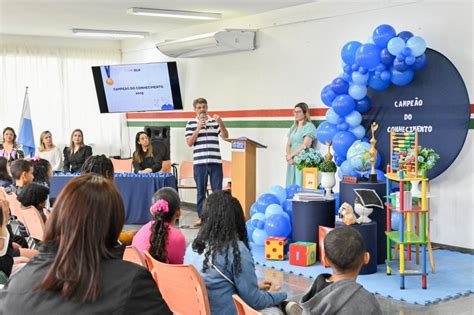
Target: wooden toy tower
(407, 208)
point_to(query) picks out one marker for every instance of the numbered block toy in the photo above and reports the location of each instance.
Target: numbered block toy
(276, 248)
(303, 253)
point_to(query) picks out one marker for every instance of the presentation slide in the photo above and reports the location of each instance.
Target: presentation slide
(139, 87)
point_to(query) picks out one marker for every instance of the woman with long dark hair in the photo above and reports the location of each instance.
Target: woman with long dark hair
(9, 148)
(77, 153)
(79, 269)
(159, 236)
(225, 261)
(145, 160)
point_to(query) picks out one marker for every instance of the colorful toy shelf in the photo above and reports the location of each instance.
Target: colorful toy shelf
(407, 235)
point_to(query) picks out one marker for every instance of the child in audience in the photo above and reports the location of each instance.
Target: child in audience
(22, 173)
(164, 242)
(226, 264)
(35, 195)
(6, 248)
(339, 293)
(79, 269)
(5, 178)
(42, 171)
(99, 164)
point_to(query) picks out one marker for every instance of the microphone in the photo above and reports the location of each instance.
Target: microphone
(203, 116)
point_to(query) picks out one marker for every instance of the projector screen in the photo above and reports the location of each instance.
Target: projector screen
(138, 87)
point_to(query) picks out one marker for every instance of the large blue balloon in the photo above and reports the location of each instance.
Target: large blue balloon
(357, 91)
(359, 78)
(258, 220)
(346, 168)
(377, 83)
(405, 35)
(279, 192)
(348, 52)
(395, 46)
(291, 190)
(259, 236)
(417, 45)
(256, 208)
(328, 95)
(368, 56)
(339, 159)
(288, 207)
(339, 86)
(402, 78)
(342, 141)
(332, 116)
(358, 131)
(363, 105)
(382, 34)
(273, 209)
(267, 199)
(278, 225)
(250, 228)
(354, 119)
(420, 62)
(386, 58)
(325, 132)
(343, 105)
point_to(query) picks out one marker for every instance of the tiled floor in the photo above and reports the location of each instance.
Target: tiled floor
(295, 285)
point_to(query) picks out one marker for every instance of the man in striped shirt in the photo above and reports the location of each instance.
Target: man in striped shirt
(202, 133)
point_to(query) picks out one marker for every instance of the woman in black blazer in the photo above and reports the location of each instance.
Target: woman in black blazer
(145, 160)
(77, 153)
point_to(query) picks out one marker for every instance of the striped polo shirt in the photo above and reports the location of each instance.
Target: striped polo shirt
(206, 148)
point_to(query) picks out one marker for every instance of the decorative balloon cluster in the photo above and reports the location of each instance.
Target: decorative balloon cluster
(387, 58)
(271, 214)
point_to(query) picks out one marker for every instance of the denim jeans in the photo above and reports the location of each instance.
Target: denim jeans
(201, 172)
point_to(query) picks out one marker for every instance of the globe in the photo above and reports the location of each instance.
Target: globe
(359, 157)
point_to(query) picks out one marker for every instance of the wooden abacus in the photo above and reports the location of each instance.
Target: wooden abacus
(400, 144)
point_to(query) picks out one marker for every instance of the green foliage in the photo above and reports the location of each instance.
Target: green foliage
(327, 167)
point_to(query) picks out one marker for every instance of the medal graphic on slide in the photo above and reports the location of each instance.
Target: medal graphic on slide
(109, 81)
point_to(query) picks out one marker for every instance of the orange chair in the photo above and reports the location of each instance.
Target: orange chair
(227, 172)
(122, 166)
(15, 206)
(3, 194)
(33, 222)
(166, 166)
(181, 287)
(132, 254)
(186, 172)
(242, 307)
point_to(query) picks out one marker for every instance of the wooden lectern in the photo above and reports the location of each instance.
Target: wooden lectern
(243, 170)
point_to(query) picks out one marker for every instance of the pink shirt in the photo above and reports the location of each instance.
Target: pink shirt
(175, 244)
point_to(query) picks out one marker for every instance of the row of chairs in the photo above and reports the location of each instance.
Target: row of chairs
(176, 281)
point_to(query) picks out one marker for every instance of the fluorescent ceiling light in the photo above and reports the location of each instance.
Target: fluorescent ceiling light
(175, 14)
(108, 33)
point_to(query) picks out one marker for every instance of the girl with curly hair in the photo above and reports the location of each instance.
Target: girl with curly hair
(159, 236)
(225, 262)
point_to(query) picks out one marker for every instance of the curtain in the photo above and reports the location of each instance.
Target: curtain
(61, 93)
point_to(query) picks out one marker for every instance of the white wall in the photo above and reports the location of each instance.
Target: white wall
(297, 54)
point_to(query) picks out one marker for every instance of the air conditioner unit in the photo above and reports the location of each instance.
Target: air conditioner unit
(215, 43)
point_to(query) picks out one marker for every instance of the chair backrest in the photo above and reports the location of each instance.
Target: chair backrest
(15, 206)
(242, 307)
(3, 194)
(181, 287)
(166, 166)
(227, 169)
(186, 170)
(33, 222)
(132, 254)
(122, 166)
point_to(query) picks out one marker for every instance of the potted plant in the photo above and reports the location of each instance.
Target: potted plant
(308, 161)
(328, 179)
(427, 158)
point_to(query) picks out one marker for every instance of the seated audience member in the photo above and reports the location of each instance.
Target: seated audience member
(339, 293)
(145, 160)
(6, 248)
(225, 262)
(99, 164)
(164, 242)
(35, 195)
(9, 148)
(22, 173)
(79, 269)
(42, 171)
(49, 151)
(76, 153)
(5, 178)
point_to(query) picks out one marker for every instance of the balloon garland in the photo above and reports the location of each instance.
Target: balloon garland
(387, 58)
